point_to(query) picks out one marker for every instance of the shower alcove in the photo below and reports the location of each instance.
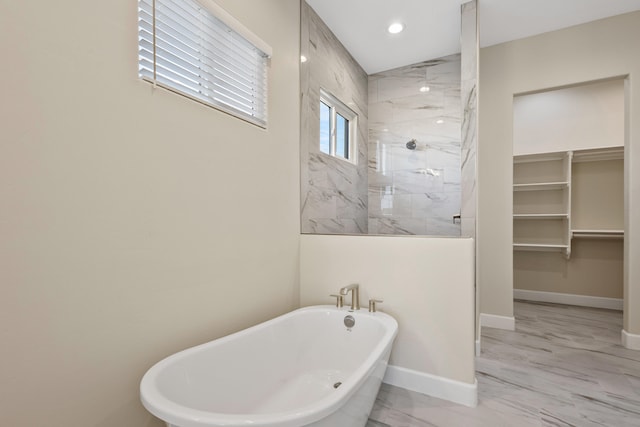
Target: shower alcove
(387, 188)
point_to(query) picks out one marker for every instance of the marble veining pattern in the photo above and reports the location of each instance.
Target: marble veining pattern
(415, 191)
(469, 89)
(333, 191)
(562, 366)
(391, 190)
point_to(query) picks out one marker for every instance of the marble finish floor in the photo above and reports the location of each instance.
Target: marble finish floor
(562, 366)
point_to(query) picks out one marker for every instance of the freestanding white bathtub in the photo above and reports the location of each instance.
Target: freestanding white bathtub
(305, 368)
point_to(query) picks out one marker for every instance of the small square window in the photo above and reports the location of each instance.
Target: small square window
(338, 127)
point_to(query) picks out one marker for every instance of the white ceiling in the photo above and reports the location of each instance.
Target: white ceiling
(433, 26)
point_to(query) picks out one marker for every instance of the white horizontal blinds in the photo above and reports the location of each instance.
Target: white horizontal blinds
(183, 47)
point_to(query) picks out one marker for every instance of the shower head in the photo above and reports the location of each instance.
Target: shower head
(411, 145)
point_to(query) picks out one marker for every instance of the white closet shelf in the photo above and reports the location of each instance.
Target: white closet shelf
(540, 216)
(598, 154)
(598, 234)
(539, 157)
(541, 186)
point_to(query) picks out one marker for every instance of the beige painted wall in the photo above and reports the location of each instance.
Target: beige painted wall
(589, 52)
(573, 118)
(133, 222)
(426, 284)
(594, 269)
(597, 195)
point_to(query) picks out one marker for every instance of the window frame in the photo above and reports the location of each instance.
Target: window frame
(337, 107)
(221, 81)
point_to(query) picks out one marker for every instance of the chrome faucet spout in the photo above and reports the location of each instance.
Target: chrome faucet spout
(355, 295)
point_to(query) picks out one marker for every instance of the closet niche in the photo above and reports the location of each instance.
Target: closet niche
(568, 195)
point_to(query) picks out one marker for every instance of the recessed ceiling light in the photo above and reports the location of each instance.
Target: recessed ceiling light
(439, 121)
(395, 28)
(425, 89)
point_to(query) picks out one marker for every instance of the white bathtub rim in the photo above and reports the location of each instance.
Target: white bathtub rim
(184, 416)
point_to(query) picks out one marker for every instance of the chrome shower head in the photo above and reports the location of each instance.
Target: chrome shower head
(411, 145)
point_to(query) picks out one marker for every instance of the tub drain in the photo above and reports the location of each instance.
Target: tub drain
(338, 384)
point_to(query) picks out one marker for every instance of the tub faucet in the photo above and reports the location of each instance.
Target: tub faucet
(355, 295)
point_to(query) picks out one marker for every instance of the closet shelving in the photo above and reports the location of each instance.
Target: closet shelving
(541, 213)
(597, 234)
(542, 201)
(598, 214)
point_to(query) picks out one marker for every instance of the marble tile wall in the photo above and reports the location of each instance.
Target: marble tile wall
(415, 191)
(469, 90)
(333, 191)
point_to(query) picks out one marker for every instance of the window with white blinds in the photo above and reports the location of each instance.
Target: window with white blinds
(195, 48)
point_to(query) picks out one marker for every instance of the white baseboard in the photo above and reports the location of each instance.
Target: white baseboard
(630, 341)
(498, 322)
(569, 299)
(433, 385)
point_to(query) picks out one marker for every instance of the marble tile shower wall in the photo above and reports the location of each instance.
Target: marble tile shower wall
(415, 191)
(333, 191)
(469, 97)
